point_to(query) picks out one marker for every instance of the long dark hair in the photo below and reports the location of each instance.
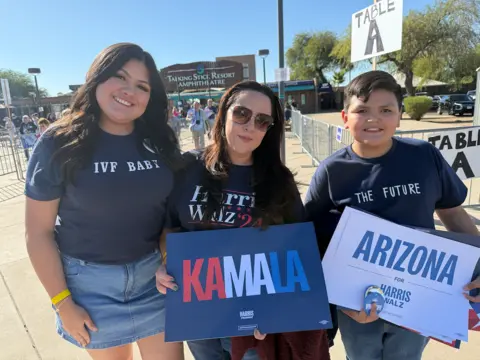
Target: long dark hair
(273, 183)
(77, 132)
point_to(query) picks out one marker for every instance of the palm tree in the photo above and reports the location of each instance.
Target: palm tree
(338, 78)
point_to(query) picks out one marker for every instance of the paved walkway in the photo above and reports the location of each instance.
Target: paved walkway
(26, 319)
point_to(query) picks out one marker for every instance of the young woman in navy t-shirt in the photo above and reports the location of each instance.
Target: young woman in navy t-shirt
(96, 189)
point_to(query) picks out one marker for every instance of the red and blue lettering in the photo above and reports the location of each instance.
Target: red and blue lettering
(250, 279)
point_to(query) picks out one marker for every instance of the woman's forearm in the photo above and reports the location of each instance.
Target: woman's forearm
(45, 258)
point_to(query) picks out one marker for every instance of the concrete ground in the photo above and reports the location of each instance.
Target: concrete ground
(27, 322)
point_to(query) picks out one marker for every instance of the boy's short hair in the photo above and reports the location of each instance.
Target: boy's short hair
(363, 85)
(43, 121)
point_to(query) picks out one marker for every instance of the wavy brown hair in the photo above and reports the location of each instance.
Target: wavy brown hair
(77, 132)
(273, 183)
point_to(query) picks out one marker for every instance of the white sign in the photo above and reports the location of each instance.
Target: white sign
(7, 99)
(377, 30)
(422, 275)
(282, 74)
(461, 149)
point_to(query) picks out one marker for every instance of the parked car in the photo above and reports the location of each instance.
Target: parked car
(456, 104)
(435, 101)
(472, 94)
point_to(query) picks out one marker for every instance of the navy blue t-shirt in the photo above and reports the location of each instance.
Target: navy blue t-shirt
(186, 207)
(115, 210)
(405, 186)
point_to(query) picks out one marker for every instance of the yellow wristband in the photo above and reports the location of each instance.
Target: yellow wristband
(61, 296)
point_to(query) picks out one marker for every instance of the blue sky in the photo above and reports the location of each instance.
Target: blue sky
(62, 37)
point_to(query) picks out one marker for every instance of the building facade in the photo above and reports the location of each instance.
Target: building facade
(248, 63)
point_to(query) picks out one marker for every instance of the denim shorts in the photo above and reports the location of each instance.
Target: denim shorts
(122, 300)
(379, 340)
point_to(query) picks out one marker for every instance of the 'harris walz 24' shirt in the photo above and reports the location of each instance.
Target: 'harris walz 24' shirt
(186, 208)
(115, 210)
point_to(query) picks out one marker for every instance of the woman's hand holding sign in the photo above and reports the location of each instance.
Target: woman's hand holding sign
(165, 281)
(475, 284)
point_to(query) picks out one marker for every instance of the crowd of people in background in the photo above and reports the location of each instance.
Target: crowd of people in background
(200, 118)
(27, 129)
(197, 118)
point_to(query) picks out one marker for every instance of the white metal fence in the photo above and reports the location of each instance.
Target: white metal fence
(12, 155)
(319, 140)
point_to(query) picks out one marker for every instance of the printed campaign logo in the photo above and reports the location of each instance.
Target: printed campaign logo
(247, 315)
(253, 276)
(236, 210)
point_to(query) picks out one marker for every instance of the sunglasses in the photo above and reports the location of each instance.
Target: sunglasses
(243, 115)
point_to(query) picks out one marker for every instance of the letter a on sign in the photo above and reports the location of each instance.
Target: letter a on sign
(377, 30)
(373, 37)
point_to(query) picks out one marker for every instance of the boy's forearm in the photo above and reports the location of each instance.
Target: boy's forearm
(458, 220)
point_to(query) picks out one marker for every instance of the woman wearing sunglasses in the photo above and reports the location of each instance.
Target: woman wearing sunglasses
(247, 185)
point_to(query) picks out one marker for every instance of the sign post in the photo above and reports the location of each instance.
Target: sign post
(281, 63)
(374, 60)
(377, 30)
(476, 115)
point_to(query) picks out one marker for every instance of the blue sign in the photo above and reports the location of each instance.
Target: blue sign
(236, 280)
(339, 134)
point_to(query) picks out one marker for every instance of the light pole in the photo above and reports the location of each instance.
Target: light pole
(476, 114)
(263, 54)
(35, 72)
(281, 63)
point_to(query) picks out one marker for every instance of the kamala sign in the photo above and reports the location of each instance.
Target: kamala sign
(377, 30)
(202, 75)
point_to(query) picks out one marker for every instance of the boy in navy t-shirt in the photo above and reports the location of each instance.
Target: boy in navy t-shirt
(402, 180)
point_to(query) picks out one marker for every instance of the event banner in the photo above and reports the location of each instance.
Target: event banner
(235, 280)
(460, 148)
(422, 275)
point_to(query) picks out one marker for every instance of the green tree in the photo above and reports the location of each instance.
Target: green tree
(309, 57)
(455, 68)
(21, 85)
(338, 77)
(445, 27)
(342, 50)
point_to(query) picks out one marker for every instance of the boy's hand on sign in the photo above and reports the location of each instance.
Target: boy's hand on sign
(475, 284)
(164, 281)
(258, 335)
(361, 316)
